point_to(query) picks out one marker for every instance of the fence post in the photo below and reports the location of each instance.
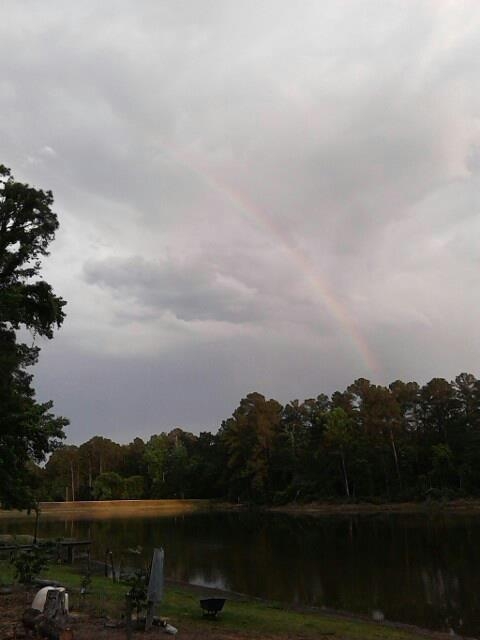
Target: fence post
(128, 616)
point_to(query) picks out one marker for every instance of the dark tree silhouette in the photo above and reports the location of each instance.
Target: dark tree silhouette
(28, 429)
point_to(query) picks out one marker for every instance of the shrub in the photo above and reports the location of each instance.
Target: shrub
(137, 593)
(29, 564)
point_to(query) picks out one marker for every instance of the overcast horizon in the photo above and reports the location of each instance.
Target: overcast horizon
(260, 196)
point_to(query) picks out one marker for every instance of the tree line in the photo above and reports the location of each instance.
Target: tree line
(398, 442)
(404, 441)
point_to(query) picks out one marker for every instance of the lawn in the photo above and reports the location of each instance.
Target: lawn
(241, 617)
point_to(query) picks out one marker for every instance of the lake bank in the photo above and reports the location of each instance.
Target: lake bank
(114, 508)
(416, 568)
(242, 618)
(132, 508)
(326, 508)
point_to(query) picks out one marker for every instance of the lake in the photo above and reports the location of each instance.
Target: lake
(422, 569)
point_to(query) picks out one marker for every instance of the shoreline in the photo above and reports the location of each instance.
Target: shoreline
(113, 508)
(251, 603)
(327, 508)
(244, 617)
(327, 612)
(133, 508)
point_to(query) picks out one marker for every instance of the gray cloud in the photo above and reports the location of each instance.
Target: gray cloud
(191, 291)
(271, 190)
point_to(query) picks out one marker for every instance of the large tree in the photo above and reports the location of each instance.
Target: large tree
(28, 429)
(249, 437)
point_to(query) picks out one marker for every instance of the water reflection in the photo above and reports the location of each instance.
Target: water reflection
(413, 568)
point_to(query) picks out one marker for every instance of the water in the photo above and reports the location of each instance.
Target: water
(419, 569)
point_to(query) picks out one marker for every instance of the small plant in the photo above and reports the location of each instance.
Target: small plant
(85, 584)
(137, 594)
(29, 564)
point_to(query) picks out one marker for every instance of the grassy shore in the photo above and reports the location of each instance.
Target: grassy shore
(241, 618)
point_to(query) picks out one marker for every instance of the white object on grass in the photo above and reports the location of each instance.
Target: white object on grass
(41, 597)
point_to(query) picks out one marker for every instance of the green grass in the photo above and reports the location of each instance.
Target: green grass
(6, 573)
(250, 617)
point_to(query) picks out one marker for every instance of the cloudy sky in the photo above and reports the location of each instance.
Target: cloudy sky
(261, 195)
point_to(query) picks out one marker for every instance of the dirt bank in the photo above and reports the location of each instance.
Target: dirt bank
(454, 506)
(114, 508)
(132, 508)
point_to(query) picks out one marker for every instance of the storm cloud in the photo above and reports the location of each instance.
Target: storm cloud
(268, 196)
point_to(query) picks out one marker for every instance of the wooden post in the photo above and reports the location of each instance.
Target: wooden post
(150, 614)
(114, 577)
(37, 515)
(128, 616)
(58, 548)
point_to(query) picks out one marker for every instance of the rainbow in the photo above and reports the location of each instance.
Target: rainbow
(246, 207)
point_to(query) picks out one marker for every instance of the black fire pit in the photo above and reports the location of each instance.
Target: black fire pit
(212, 606)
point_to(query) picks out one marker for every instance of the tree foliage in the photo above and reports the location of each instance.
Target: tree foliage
(248, 437)
(369, 442)
(108, 486)
(28, 429)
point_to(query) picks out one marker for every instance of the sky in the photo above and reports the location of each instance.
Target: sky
(263, 195)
